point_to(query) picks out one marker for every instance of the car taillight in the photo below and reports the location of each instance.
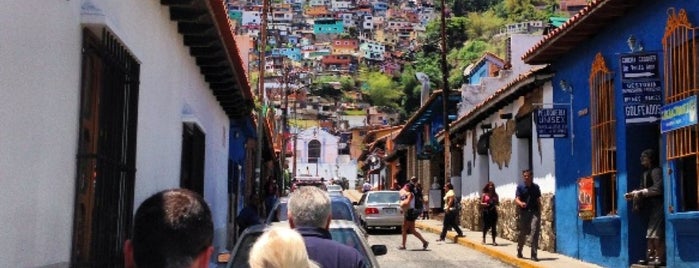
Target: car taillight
(371, 211)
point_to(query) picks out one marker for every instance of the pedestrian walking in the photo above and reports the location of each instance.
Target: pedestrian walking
(425, 207)
(271, 194)
(528, 199)
(366, 187)
(649, 201)
(410, 214)
(450, 213)
(489, 201)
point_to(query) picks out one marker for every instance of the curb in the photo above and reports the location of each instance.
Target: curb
(504, 257)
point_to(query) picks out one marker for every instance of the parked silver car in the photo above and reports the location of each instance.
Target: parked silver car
(380, 209)
(335, 190)
(343, 231)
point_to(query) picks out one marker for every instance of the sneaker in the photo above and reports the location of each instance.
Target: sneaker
(425, 244)
(534, 258)
(519, 254)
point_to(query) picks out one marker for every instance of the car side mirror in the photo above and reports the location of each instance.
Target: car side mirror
(355, 203)
(379, 250)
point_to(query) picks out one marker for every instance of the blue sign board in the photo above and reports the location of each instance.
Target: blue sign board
(679, 114)
(642, 91)
(639, 65)
(552, 122)
(642, 100)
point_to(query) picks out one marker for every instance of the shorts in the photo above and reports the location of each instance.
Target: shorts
(412, 214)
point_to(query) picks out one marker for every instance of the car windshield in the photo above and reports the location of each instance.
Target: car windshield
(340, 211)
(334, 187)
(302, 183)
(349, 237)
(383, 197)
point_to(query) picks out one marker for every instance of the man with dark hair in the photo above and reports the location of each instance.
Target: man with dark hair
(172, 228)
(528, 200)
(309, 212)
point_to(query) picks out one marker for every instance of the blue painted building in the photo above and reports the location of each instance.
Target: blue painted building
(328, 26)
(239, 158)
(617, 62)
(292, 53)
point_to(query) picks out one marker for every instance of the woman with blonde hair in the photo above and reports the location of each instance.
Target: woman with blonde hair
(280, 247)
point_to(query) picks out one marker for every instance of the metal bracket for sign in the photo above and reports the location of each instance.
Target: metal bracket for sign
(570, 117)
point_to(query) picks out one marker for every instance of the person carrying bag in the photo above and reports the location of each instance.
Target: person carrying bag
(450, 213)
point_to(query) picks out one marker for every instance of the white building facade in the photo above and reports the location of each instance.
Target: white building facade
(62, 63)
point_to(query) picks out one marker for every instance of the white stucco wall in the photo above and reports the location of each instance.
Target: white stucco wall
(331, 164)
(507, 177)
(39, 77)
(39, 92)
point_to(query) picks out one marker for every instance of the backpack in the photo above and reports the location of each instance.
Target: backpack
(419, 198)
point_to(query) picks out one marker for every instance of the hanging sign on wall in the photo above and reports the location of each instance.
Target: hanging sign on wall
(679, 114)
(641, 87)
(586, 198)
(552, 122)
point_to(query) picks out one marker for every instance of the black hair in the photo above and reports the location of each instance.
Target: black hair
(171, 228)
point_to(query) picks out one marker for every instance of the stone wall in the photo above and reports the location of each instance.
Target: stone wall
(470, 218)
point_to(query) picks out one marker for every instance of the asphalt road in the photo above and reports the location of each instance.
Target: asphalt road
(438, 254)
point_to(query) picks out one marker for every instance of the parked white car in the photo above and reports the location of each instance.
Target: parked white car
(380, 209)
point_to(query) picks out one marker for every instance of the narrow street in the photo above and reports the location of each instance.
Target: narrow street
(438, 254)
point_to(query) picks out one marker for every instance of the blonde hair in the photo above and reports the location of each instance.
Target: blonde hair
(280, 247)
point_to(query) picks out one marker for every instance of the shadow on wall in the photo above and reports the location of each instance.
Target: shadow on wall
(470, 218)
(608, 231)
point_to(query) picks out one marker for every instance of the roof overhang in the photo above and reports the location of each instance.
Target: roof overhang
(583, 26)
(432, 107)
(206, 30)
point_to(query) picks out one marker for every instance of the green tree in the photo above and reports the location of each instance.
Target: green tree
(380, 89)
(478, 5)
(484, 25)
(327, 91)
(411, 88)
(459, 8)
(456, 31)
(520, 11)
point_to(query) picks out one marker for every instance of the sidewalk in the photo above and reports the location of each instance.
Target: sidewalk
(505, 251)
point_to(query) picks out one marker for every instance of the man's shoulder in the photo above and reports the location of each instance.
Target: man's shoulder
(331, 252)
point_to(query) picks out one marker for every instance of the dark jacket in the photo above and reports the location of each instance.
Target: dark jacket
(328, 253)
